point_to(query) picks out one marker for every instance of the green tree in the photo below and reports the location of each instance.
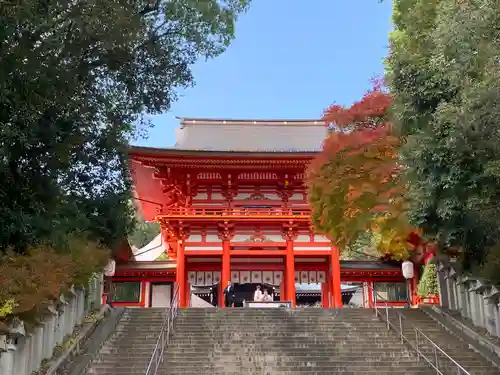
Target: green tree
(77, 80)
(361, 249)
(143, 233)
(444, 75)
(428, 285)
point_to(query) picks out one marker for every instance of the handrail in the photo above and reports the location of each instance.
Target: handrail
(164, 336)
(275, 211)
(418, 332)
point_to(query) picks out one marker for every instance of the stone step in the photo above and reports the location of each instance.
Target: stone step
(178, 350)
(136, 334)
(282, 345)
(326, 368)
(236, 333)
(249, 325)
(304, 341)
(278, 320)
(147, 351)
(261, 342)
(300, 359)
(299, 366)
(282, 331)
(307, 372)
(263, 313)
(133, 339)
(346, 356)
(244, 327)
(144, 322)
(276, 312)
(452, 345)
(293, 371)
(328, 350)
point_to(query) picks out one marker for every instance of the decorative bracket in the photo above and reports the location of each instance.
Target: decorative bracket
(228, 189)
(226, 231)
(175, 230)
(289, 231)
(258, 238)
(285, 188)
(257, 196)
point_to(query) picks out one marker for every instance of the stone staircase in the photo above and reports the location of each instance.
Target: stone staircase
(452, 345)
(129, 349)
(285, 341)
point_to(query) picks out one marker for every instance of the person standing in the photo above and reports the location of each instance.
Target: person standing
(229, 294)
(213, 296)
(257, 296)
(266, 297)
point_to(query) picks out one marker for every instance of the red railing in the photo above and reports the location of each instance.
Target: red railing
(429, 300)
(164, 335)
(238, 212)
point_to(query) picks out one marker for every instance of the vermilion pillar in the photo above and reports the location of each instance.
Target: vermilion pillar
(335, 278)
(290, 273)
(325, 295)
(283, 294)
(187, 290)
(181, 274)
(220, 295)
(226, 268)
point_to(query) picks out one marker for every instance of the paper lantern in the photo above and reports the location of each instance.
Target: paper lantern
(109, 270)
(407, 268)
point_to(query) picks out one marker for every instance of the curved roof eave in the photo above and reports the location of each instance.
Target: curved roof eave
(166, 152)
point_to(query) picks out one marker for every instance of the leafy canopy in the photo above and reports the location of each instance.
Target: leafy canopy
(355, 188)
(428, 285)
(443, 73)
(78, 80)
(144, 232)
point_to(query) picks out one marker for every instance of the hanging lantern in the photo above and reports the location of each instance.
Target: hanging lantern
(407, 268)
(109, 270)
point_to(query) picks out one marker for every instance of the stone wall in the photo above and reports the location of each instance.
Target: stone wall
(475, 299)
(23, 352)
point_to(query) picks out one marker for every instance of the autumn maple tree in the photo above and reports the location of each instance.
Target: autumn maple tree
(355, 185)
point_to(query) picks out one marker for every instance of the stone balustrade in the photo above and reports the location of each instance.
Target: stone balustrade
(473, 298)
(25, 350)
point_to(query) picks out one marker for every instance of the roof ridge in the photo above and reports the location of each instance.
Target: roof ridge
(212, 121)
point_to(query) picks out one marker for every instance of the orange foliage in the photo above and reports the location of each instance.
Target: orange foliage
(370, 112)
(42, 275)
(354, 183)
(33, 278)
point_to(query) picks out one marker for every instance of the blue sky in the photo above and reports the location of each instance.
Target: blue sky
(289, 61)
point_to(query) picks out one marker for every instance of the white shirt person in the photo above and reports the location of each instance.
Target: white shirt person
(258, 296)
(266, 297)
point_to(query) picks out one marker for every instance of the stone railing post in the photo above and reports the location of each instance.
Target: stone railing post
(30, 368)
(7, 359)
(81, 304)
(56, 322)
(19, 357)
(49, 321)
(443, 289)
(38, 346)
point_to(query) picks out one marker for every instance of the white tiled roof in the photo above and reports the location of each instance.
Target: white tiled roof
(264, 136)
(151, 251)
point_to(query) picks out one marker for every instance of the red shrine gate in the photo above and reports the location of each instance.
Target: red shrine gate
(275, 247)
(238, 210)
